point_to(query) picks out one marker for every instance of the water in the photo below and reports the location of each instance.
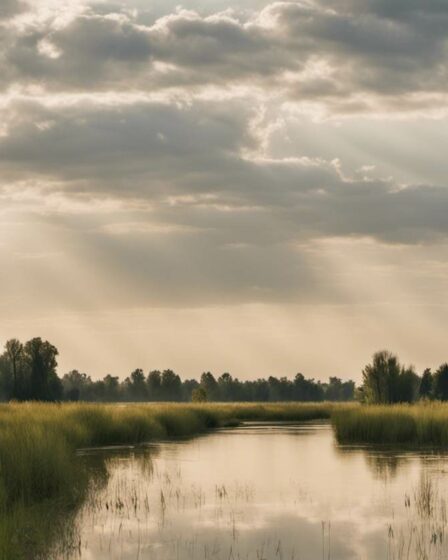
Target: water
(262, 492)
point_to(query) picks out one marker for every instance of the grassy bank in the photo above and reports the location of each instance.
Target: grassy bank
(40, 474)
(43, 481)
(423, 424)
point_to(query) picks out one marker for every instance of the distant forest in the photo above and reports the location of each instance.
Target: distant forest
(28, 372)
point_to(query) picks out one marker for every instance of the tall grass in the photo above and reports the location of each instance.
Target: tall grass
(39, 470)
(275, 412)
(37, 441)
(419, 424)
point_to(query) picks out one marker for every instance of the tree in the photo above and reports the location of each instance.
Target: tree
(334, 391)
(307, 389)
(225, 387)
(77, 386)
(188, 386)
(199, 395)
(348, 390)
(380, 379)
(440, 382)
(386, 381)
(154, 382)
(426, 385)
(260, 390)
(29, 372)
(210, 386)
(40, 357)
(136, 387)
(5, 378)
(111, 388)
(279, 389)
(300, 390)
(55, 390)
(171, 386)
(98, 391)
(408, 386)
(14, 351)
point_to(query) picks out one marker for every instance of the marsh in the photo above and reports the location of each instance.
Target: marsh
(261, 491)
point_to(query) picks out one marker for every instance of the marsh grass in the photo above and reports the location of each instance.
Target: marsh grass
(423, 536)
(424, 424)
(40, 475)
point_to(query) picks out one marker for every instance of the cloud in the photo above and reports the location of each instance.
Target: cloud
(156, 155)
(89, 51)
(344, 56)
(10, 8)
(200, 167)
(238, 177)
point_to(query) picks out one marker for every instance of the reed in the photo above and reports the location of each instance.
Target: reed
(37, 441)
(39, 470)
(424, 424)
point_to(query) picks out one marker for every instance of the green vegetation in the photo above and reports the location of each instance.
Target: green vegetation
(28, 372)
(43, 481)
(425, 424)
(40, 474)
(386, 381)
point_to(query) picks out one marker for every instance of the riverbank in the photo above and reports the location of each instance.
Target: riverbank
(423, 424)
(43, 481)
(39, 470)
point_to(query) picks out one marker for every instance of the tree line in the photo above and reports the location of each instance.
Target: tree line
(387, 381)
(28, 372)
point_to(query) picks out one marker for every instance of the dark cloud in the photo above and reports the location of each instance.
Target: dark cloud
(332, 52)
(399, 9)
(124, 147)
(89, 52)
(10, 8)
(187, 163)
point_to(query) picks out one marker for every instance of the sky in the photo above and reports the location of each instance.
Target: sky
(256, 187)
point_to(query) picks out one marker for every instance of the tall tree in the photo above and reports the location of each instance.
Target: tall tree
(380, 378)
(154, 382)
(426, 384)
(14, 351)
(111, 388)
(210, 386)
(77, 386)
(137, 389)
(409, 385)
(171, 386)
(441, 383)
(225, 387)
(41, 359)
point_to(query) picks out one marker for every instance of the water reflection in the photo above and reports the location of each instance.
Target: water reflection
(384, 464)
(262, 492)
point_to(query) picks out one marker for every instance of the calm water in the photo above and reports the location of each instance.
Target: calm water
(262, 492)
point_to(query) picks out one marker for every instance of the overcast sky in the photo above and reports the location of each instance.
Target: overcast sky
(257, 189)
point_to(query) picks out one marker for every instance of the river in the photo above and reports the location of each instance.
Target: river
(262, 492)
